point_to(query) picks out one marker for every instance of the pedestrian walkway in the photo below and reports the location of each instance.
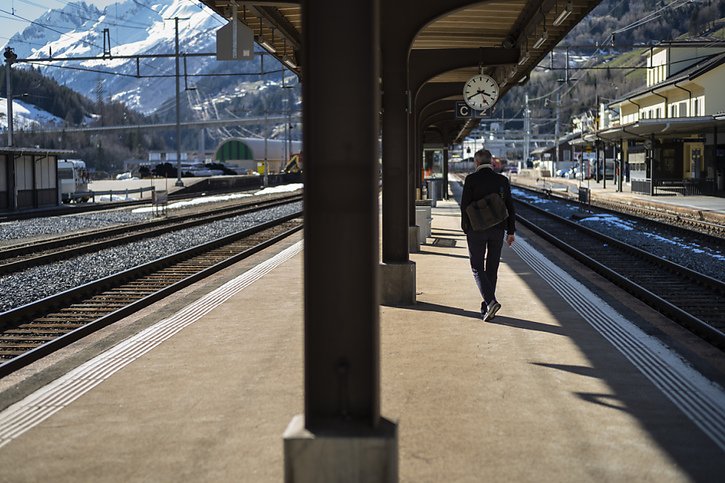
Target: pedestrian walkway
(561, 386)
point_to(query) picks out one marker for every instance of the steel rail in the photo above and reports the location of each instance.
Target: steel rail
(663, 218)
(110, 205)
(143, 230)
(13, 318)
(702, 328)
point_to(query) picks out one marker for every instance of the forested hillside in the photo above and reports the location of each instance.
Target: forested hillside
(606, 59)
(102, 152)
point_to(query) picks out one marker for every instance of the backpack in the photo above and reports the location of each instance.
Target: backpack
(487, 212)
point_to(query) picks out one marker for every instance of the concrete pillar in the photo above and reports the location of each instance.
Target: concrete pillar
(398, 272)
(342, 436)
(445, 172)
(414, 190)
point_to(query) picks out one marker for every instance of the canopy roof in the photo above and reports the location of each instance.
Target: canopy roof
(505, 38)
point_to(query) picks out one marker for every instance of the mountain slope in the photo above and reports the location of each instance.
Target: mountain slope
(135, 27)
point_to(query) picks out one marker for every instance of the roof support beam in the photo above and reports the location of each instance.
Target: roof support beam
(401, 21)
(342, 431)
(426, 64)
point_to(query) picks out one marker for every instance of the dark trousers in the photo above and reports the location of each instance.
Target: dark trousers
(484, 253)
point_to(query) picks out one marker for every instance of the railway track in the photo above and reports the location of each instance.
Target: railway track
(35, 330)
(114, 205)
(25, 255)
(694, 300)
(650, 213)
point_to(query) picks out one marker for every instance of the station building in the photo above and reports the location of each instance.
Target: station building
(671, 130)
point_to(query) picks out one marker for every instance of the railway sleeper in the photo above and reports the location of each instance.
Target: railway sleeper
(20, 346)
(39, 331)
(58, 319)
(25, 339)
(9, 354)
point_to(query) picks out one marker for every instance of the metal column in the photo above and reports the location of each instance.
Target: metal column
(341, 432)
(445, 172)
(397, 271)
(342, 380)
(178, 106)
(395, 144)
(10, 56)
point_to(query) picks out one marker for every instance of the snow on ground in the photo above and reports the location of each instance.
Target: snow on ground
(651, 238)
(25, 115)
(615, 222)
(217, 198)
(529, 197)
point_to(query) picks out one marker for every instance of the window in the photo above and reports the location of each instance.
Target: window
(696, 108)
(683, 109)
(673, 110)
(3, 179)
(24, 173)
(657, 113)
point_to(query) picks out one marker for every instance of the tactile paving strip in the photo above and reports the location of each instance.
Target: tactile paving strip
(701, 400)
(43, 403)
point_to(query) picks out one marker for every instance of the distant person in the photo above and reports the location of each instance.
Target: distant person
(484, 247)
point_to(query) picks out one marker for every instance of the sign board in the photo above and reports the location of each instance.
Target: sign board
(160, 197)
(463, 111)
(584, 195)
(226, 43)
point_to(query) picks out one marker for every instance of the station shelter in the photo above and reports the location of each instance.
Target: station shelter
(29, 178)
(377, 72)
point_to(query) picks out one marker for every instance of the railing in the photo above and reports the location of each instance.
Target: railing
(685, 187)
(91, 195)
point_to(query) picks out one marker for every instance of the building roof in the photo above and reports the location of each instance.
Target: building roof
(663, 127)
(709, 63)
(33, 150)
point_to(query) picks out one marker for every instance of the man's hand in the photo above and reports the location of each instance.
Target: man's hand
(510, 239)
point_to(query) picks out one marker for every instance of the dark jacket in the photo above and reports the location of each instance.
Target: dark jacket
(481, 183)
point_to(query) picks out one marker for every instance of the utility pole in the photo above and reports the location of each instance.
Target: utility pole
(178, 109)
(10, 57)
(527, 132)
(556, 133)
(265, 178)
(285, 101)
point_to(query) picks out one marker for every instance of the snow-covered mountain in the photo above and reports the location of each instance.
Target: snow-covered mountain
(135, 27)
(26, 116)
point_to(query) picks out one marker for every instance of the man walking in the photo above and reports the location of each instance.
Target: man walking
(484, 247)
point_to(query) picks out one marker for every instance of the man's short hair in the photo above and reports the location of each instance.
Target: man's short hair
(483, 156)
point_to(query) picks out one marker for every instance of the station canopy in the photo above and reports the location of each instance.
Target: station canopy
(445, 30)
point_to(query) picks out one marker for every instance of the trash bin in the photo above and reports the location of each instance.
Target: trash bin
(423, 219)
(435, 189)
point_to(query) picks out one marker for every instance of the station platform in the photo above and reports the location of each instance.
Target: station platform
(710, 209)
(572, 381)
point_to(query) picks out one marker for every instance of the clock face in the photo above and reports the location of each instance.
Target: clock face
(480, 92)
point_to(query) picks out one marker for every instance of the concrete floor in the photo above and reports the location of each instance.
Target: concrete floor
(535, 395)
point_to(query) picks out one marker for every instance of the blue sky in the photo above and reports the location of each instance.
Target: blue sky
(31, 9)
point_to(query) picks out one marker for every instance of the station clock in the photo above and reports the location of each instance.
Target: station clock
(480, 92)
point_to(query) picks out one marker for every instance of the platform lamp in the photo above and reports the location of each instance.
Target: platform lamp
(564, 14)
(10, 57)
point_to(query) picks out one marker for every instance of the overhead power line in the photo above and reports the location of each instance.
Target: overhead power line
(49, 28)
(105, 12)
